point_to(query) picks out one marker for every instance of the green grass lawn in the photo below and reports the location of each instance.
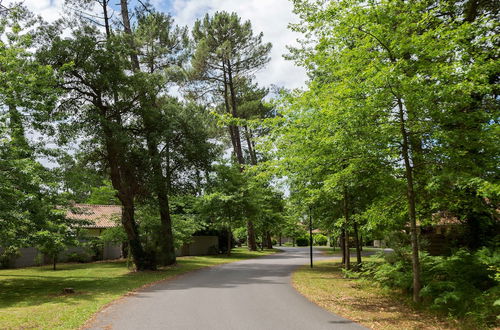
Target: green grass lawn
(363, 301)
(32, 297)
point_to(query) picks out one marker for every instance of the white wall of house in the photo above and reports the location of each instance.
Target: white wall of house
(199, 246)
(112, 251)
(27, 256)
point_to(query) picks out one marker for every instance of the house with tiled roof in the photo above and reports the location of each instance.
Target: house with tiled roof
(102, 217)
(99, 217)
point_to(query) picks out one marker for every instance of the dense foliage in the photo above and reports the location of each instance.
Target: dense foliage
(394, 136)
(135, 130)
(464, 285)
(398, 125)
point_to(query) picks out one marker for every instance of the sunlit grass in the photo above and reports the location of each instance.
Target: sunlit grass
(362, 300)
(32, 297)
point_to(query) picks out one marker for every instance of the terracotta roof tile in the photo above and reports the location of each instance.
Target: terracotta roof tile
(102, 216)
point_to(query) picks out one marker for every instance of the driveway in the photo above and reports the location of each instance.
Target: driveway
(249, 294)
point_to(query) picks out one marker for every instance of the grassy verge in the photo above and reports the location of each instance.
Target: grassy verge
(32, 297)
(362, 301)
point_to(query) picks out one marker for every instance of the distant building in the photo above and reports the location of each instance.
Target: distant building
(442, 235)
(101, 218)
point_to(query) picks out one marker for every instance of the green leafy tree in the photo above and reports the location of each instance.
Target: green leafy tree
(28, 191)
(228, 200)
(54, 239)
(407, 77)
(103, 195)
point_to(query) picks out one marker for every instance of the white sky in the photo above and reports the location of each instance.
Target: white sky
(268, 16)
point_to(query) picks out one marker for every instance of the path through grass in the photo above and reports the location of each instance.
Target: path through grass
(32, 297)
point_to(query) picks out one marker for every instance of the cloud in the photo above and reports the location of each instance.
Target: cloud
(268, 16)
(50, 10)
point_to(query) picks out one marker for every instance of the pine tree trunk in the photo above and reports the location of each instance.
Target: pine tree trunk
(167, 249)
(234, 112)
(411, 203)
(347, 263)
(104, 5)
(251, 240)
(231, 129)
(251, 151)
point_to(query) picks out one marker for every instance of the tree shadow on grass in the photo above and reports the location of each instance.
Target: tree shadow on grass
(39, 285)
(45, 286)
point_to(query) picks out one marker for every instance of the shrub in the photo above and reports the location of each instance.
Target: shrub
(302, 241)
(39, 259)
(8, 256)
(464, 285)
(78, 257)
(320, 239)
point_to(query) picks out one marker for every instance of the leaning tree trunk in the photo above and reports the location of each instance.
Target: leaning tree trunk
(231, 128)
(121, 177)
(167, 254)
(410, 193)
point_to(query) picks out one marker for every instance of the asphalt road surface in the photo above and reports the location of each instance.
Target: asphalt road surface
(249, 294)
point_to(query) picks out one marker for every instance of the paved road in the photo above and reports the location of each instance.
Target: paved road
(249, 294)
